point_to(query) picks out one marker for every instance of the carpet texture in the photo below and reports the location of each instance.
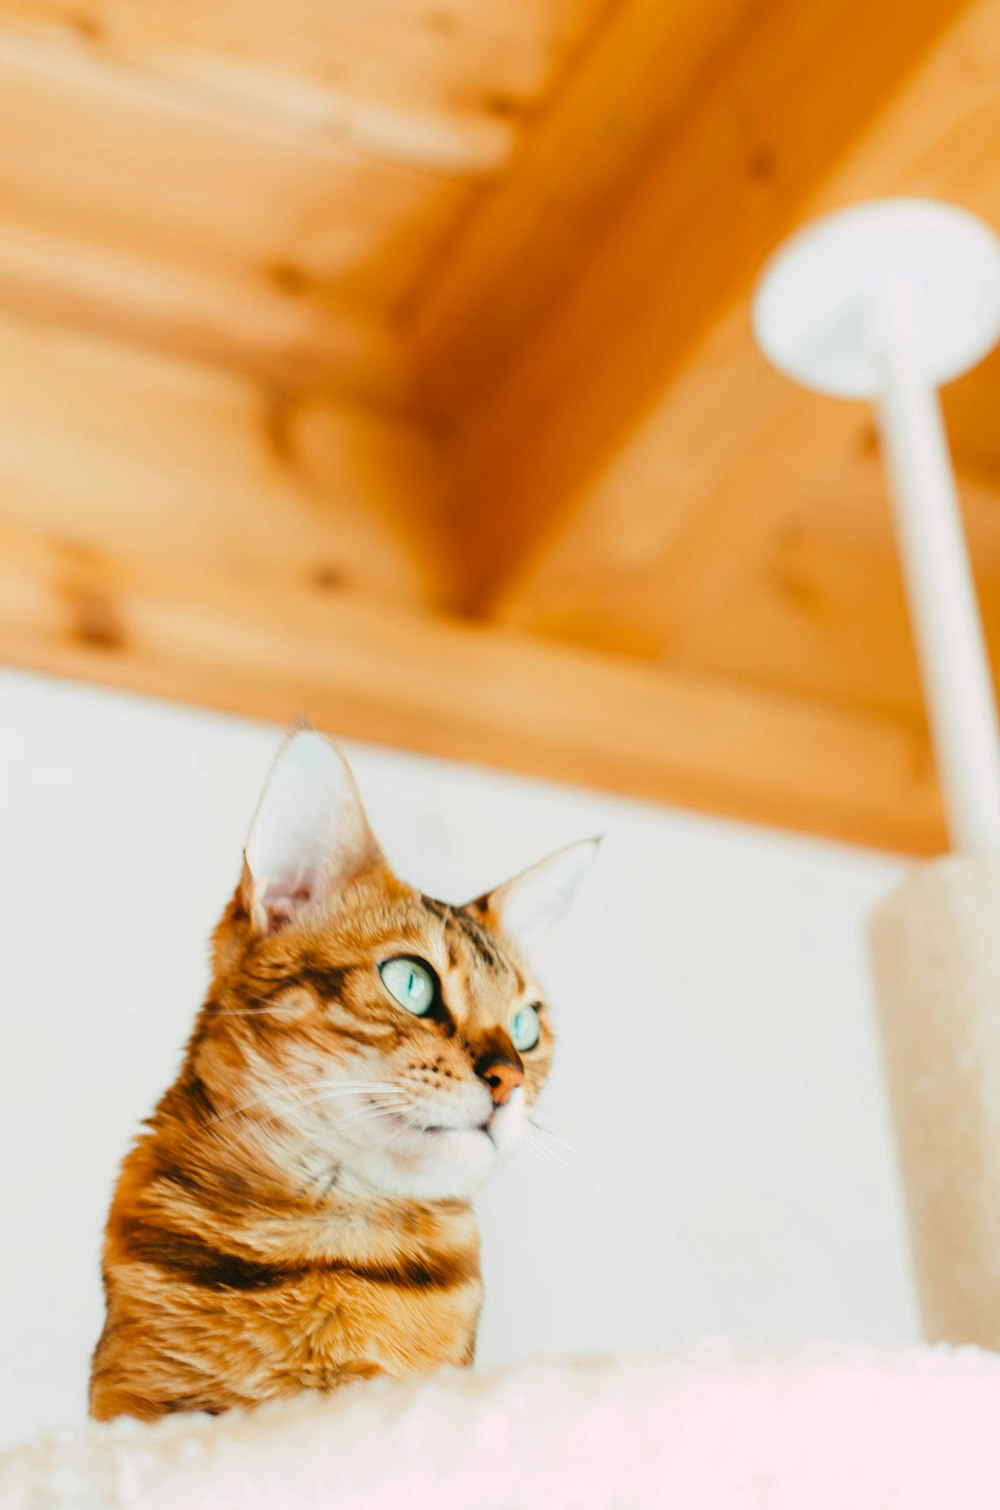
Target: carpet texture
(936, 957)
(814, 1428)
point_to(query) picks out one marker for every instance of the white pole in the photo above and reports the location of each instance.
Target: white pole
(885, 301)
(946, 624)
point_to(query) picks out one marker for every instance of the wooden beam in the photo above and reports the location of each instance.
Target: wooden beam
(791, 97)
(681, 515)
(110, 449)
(928, 141)
(635, 79)
(446, 687)
(971, 406)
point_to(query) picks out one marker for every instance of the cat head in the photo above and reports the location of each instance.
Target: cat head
(376, 1036)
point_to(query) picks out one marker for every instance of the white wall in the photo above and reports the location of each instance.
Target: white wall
(718, 1069)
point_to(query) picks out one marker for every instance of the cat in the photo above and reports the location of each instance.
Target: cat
(297, 1212)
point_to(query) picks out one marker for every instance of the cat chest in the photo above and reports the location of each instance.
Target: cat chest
(326, 1324)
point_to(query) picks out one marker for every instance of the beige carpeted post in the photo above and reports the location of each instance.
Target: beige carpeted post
(935, 947)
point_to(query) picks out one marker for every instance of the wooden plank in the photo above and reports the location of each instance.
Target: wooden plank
(824, 615)
(105, 447)
(158, 163)
(411, 73)
(269, 326)
(639, 72)
(476, 694)
(195, 196)
(795, 92)
(454, 142)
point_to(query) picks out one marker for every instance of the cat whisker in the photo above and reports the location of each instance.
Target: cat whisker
(556, 1126)
(380, 1104)
(569, 1148)
(365, 1118)
(363, 1113)
(378, 1107)
(529, 1145)
(257, 1006)
(374, 1087)
(331, 1089)
(552, 1159)
(249, 1011)
(245, 1106)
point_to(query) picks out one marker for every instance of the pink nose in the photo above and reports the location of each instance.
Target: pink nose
(502, 1077)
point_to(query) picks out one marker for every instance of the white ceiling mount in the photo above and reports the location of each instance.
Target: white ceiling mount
(931, 268)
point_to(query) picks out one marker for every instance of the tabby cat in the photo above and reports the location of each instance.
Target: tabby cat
(297, 1212)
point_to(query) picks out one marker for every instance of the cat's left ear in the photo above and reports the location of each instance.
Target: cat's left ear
(527, 907)
(309, 836)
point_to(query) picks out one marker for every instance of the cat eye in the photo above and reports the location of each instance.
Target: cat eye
(525, 1030)
(411, 983)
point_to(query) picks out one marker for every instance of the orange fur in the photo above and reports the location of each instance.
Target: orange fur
(273, 1231)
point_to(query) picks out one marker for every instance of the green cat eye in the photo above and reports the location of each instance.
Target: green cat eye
(410, 983)
(525, 1030)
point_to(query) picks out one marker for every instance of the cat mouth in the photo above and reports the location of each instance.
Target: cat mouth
(439, 1130)
(396, 1121)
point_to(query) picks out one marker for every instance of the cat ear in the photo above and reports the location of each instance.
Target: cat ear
(309, 835)
(527, 907)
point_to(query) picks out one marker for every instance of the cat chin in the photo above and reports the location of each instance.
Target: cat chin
(454, 1163)
(452, 1166)
(399, 1158)
(442, 1164)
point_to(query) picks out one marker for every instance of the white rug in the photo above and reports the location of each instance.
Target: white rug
(775, 1428)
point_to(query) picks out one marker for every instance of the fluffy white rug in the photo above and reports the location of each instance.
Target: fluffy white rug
(816, 1428)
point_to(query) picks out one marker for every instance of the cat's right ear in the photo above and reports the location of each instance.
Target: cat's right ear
(309, 836)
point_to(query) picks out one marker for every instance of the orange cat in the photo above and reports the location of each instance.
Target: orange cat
(297, 1212)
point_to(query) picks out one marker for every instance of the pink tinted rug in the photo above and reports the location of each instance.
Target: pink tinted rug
(810, 1427)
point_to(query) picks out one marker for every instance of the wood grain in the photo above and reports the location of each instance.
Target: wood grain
(429, 683)
(420, 71)
(208, 221)
(269, 326)
(633, 82)
(317, 322)
(599, 376)
(105, 447)
(823, 612)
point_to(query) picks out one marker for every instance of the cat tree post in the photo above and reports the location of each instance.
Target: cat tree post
(887, 301)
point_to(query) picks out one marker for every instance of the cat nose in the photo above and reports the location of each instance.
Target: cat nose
(502, 1075)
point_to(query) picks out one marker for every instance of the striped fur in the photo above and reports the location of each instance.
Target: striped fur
(297, 1212)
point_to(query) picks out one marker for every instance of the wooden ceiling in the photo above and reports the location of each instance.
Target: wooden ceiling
(389, 362)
